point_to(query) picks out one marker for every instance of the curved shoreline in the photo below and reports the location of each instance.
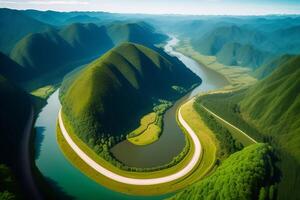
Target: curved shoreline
(133, 181)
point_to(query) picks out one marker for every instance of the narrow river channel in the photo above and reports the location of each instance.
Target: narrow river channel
(69, 180)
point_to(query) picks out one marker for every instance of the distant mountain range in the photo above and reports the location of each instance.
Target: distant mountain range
(245, 46)
(39, 48)
(14, 25)
(130, 73)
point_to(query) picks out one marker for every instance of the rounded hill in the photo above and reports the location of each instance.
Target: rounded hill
(111, 94)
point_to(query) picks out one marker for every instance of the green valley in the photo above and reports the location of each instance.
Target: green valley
(148, 100)
(244, 175)
(264, 115)
(131, 74)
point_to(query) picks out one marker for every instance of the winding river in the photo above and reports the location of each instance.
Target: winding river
(71, 182)
(172, 140)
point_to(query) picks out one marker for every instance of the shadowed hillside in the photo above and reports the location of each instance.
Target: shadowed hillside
(53, 49)
(14, 26)
(140, 33)
(11, 69)
(86, 39)
(14, 111)
(40, 52)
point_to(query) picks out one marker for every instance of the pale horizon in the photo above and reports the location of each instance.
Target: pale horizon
(155, 7)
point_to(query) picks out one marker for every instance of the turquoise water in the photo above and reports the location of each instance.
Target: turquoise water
(55, 166)
(68, 179)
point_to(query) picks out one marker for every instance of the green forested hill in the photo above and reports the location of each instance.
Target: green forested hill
(246, 174)
(213, 41)
(139, 32)
(242, 55)
(269, 110)
(39, 52)
(114, 91)
(270, 66)
(234, 45)
(273, 105)
(46, 51)
(87, 39)
(249, 46)
(14, 26)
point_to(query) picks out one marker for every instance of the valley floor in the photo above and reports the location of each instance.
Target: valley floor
(193, 167)
(238, 77)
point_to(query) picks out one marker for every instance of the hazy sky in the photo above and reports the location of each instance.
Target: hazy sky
(193, 7)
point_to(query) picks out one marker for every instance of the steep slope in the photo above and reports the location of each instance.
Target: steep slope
(140, 33)
(267, 68)
(234, 45)
(244, 175)
(41, 52)
(14, 26)
(273, 105)
(47, 51)
(113, 92)
(213, 41)
(269, 111)
(86, 39)
(11, 70)
(242, 55)
(254, 46)
(288, 39)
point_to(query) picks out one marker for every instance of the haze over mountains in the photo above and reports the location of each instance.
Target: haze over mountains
(248, 42)
(45, 48)
(39, 49)
(130, 73)
(233, 45)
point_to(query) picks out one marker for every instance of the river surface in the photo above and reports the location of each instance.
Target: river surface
(172, 140)
(68, 180)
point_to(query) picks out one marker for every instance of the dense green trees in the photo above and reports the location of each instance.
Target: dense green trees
(227, 143)
(14, 25)
(67, 46)
(107, 99)
(269, 112)
(247, 174)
